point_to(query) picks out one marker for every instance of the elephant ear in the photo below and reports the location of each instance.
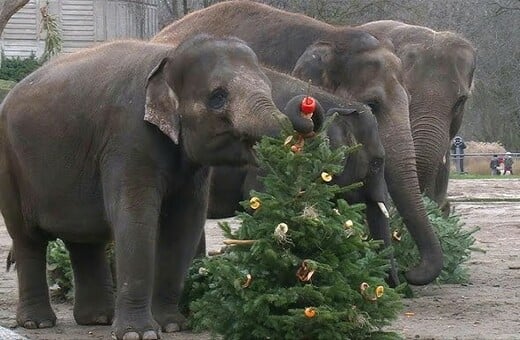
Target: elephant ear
(346, 120)
(315, 64)
(161, 107)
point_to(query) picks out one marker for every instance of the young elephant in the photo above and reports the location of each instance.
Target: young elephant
(354, 124)
(116, 141)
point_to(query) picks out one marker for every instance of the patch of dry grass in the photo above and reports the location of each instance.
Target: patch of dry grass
(479, 165)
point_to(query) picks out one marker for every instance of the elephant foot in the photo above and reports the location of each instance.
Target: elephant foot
(445, 209)
(94, 318)
(136, 329)
(98, 311)
(393, 276)
(170, 320)
(36, 317)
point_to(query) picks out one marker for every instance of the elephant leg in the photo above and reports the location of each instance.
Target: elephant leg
(380, 230)
(133, 204)
(201, 248)
(179, 238)
(441, 188)
(30, 250)
(93, 290)
(34, 309)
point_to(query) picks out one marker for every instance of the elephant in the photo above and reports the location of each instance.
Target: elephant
(438, 70)
(355, 123)
(361, 67)
(116, 142)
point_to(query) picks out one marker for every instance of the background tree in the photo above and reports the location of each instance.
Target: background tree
(7, 9)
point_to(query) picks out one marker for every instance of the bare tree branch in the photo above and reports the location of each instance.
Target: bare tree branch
(7, 9)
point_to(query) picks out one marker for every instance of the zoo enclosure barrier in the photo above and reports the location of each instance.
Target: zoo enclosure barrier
(478, 163)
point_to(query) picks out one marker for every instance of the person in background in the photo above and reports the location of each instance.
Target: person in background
(493, 165)
(508, 164)
(500, 169)
(457, 149)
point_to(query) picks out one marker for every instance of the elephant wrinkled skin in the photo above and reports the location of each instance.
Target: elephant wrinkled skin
(117, 141)
(353, 63)
(438, 73)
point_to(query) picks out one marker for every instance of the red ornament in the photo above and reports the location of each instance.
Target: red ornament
(308, 106)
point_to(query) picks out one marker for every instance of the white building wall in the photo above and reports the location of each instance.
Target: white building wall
(21, 35)
(83, 23)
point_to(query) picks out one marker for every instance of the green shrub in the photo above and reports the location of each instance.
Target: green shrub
(457, 244)
(16, 69)
(5, 87)
(59, 271)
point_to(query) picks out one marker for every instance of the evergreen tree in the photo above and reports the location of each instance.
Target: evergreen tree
(301, 265)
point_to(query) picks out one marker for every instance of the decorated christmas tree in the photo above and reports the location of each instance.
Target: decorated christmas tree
(301, 264)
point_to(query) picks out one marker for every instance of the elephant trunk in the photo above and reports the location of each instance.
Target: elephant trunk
(431, 139)
(268, 119)
(403, 186)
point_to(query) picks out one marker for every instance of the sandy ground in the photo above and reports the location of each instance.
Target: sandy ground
(486, 308)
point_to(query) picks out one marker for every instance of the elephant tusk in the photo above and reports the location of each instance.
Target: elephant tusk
(382, 207)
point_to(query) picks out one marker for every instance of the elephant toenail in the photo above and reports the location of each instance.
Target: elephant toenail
(46, 324)
(30, 325)
(150, 335)
(101, 320)
(172, 327)
(131, 336)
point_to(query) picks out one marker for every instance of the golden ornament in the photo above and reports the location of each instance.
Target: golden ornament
(380, 290)
(348, 224)
(326, 177)
(310, 312)
(363, 287)
(255, 203)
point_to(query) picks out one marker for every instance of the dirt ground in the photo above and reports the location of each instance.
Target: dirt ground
(486, 308)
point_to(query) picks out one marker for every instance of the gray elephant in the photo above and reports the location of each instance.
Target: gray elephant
(360, 67)
(354, 124)
(438, 72)
(116, 142)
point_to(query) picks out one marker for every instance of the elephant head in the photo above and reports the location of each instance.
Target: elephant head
(373, 75)
(213, 97)
(438, 72)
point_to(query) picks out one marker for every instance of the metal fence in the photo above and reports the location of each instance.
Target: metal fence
(479, 163)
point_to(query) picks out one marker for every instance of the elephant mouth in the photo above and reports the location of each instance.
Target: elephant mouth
(230, 148)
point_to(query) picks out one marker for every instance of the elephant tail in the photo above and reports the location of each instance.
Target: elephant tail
(10, 260)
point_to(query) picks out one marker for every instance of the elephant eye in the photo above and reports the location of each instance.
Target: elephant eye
(375, 164)
(374, 106)
(218, 98)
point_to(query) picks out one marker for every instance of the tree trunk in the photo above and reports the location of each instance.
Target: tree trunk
(7, 9)
(185, 7)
